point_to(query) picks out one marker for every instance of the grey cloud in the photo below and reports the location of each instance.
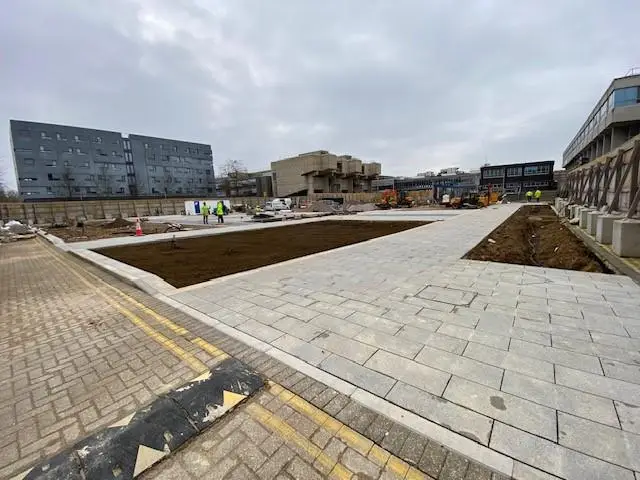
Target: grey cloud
(415, 85)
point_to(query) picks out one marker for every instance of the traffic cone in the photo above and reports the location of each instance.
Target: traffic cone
(138, 228)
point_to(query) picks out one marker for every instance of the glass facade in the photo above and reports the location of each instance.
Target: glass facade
(626, 96)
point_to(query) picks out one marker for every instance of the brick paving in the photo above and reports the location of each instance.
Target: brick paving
(494, 352)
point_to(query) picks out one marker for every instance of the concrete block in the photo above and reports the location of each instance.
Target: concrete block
(551, 457)
(456, 418)
(584, 212)
(592, 221)
(598, 385)
(363, 377)
(626, 238)
(600, 441)
(413, 373)
(604, 228)
(502, 406)
(461, 366)
(561, 398)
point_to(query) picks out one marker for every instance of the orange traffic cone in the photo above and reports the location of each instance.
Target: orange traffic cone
(138, 228)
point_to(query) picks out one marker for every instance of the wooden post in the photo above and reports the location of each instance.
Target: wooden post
(620, 186)
(606, 182)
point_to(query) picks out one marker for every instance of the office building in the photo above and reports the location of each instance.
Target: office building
(451, 181)
(65, 162)
(518, 177)
(614, 120)
(322, 172)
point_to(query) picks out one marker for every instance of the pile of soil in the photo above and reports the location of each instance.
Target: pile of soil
(108, 230)
(195, 260)
(118, 223)
(534, 235)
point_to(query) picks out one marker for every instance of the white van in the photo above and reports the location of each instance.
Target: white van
(278, 204)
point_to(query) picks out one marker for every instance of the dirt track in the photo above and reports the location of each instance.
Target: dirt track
(197, 260)
(535, 236)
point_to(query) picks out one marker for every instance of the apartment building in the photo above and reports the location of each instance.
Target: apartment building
(614, 120)
(54, 162)
(322, 172)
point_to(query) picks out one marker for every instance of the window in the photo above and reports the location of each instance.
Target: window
(29, 162)
(114, 153)
(85, 164)
(80, 152)
(49, 191)
(61, 137)
(91, 178)
(23, 150)
(493, 173)
(98, 139)
(175, 149)
(146, 145)
(76, 189)
(514, 171)
(70, 150)
(28, 179)
(536, 170)
(76, 138)
(626, 96)
(51, 163)
(24, 134)
(126, 144)
(45, 136)
(67, 163)
(123, 178)
(152, 169)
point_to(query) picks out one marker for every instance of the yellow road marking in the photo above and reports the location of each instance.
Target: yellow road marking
(210, 349)
(289, 434)
(167, 343)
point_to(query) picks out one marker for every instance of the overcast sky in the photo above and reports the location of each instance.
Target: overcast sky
(416, 85)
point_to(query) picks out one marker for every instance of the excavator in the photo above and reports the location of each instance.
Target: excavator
(394, 199)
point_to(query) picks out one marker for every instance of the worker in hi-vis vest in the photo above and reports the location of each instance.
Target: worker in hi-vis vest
(220, 212)
(204, 210)
(529, 195)
(538, 194)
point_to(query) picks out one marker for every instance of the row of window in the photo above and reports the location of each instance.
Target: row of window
(620, 97)
(516, 171)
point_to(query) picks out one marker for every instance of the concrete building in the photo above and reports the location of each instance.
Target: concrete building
(66, 162)
(322, 172)
(518, 177)
(614, 120)
(251, 184)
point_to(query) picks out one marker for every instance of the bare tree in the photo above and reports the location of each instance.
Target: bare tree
(234, 172)
(6, 193)
(67, 183)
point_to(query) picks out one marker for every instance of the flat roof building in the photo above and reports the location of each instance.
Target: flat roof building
(66, 162)
(614, 120)
(518, 177)
(322, 172)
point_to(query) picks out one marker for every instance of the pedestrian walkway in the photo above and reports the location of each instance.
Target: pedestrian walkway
(80, 350)
(537, 365)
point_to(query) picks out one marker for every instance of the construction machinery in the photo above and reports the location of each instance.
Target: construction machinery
(394, 199)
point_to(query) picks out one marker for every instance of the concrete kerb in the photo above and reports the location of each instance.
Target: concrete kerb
(135, 443)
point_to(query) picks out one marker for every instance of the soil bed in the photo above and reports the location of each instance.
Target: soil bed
(197, 260)
(534, 235)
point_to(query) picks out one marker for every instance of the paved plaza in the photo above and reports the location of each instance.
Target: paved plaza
(540, 367)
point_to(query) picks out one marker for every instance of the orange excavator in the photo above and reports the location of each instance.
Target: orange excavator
(394, 199)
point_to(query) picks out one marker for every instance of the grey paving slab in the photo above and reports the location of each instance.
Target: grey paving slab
(553, 458)
(588, 363)
(598, 349)
(410, 372)
(298, 328)
(337, 325)
(597, 323)
(616, 340)
(376, 323)
(331, 309)
(457, 418)
(472, 335)
(561, 398)
(346, 347)
(301, 349)
(621, 371)
(606, 443)
(363, 377)
(262, 314)
(327, 298)
(297, 299)
(296, 311)
(598, 385)
(549, 328)
(522, 471)
(509, 409)
(433, 339)
(629, 415)
(511, 361)
(260, 331)
(398, 345)
(461, 366)
(364, 307)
